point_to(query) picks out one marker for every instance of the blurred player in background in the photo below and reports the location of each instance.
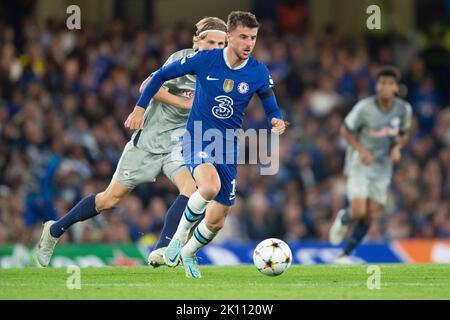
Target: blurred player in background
(376, 130)
(148, 153)
(226, 81)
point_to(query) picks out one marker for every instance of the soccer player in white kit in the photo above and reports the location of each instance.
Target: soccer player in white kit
(376, 130)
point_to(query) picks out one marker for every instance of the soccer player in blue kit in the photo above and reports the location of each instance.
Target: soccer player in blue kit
(226, 81)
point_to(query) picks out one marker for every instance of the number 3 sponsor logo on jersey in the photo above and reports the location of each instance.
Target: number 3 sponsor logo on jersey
(225, 108)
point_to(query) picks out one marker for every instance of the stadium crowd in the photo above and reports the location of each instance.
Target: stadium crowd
(64, 96)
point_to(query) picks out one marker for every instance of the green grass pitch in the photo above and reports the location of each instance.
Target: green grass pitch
(398, 281)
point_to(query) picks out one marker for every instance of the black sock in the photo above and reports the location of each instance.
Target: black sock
(171, 221)
(357, 236)
(345, 219)
(83, 210)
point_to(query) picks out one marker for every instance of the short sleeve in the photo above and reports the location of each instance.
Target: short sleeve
(355, 120)
(191, 64)
(173, 57)
(407, 117)
(178, 55)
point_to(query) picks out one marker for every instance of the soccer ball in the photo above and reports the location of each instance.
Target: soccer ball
(272, 257)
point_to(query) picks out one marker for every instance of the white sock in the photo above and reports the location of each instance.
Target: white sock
(194, 210)
(201, 237)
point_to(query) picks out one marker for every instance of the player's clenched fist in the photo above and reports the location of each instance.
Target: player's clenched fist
(366, 156)
(278, 126)
(136, 119)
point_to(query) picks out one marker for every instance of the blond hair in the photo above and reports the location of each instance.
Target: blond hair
(208, 23)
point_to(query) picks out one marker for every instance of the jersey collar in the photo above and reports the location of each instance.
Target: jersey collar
(243, 64)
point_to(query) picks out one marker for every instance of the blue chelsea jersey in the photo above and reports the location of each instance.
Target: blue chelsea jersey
(222, 93)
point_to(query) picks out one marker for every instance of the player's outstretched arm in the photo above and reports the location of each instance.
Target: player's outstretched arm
(164, 96)
(173, 70)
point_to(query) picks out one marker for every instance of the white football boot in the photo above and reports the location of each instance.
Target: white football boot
(338, 229)
(344, 260)
(156, 257)
(46, 245)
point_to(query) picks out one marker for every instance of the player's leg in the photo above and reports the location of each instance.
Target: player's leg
(373, 210)
(377, 190)
(207, 229)
(177, 172)
(214, 221)
(87, 208)
(128, 174)
(91, 206)
(208, 186)
(357, 193)
(186, 186)
(204, 233)
(361, 227)
(126, 177)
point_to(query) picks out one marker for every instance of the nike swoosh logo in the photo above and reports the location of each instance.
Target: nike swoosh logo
(172, 260)
(233, 197)
(209, 78)
(192, 272)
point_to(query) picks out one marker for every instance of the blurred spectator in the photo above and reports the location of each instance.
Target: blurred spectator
(426, 101)
(325, 98)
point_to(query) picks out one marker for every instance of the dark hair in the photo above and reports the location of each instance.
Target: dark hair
(389, 71)
(242, 18)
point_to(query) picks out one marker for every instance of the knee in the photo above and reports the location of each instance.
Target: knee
(211, 189)
(209, 192)
(106, 201)
(208, 180)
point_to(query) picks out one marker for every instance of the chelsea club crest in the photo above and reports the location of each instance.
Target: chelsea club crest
(243, 87)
